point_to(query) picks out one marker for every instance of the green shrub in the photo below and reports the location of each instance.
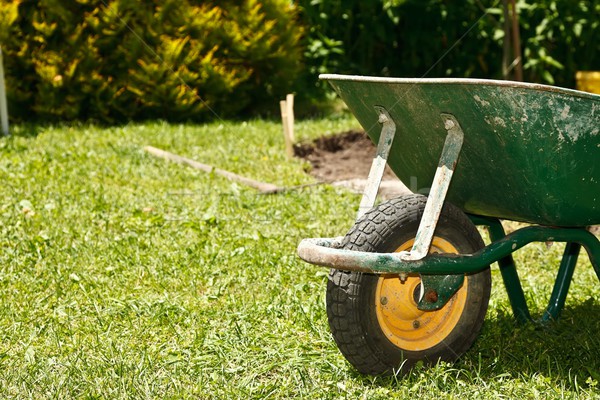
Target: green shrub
(458, 38)
(560, 38)
(399, 37)
(117, 60)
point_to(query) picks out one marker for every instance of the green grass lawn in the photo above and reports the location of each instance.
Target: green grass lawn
(123, 275)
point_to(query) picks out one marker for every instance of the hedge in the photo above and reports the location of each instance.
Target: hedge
(118, 60)
(457, 38)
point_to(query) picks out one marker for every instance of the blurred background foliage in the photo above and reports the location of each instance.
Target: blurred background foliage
(450, 38)
(119, 60)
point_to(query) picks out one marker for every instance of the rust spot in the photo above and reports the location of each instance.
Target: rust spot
(431, 296)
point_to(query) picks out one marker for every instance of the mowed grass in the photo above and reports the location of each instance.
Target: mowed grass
(125, 276)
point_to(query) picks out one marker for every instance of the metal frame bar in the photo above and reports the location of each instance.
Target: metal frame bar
(384, 145)
(512, 282)
(439, 188)
(562, 282)
(508, 270)
(323, 252)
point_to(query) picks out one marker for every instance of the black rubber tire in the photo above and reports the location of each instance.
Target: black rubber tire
(351, 295)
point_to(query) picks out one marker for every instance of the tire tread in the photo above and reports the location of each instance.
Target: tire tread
(344, 287)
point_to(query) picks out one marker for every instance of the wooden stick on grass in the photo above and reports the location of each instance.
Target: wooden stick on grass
(260, 186)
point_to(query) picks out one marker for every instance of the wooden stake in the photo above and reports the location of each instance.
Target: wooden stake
(289, 99)
(3, 103)
(289, 146)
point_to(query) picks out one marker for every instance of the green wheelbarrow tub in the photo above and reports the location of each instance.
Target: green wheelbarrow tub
(531, 152)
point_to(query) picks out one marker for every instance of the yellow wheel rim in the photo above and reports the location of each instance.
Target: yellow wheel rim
(399, 318)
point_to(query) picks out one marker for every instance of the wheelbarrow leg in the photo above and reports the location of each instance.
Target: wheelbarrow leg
(593, 250)
(563, 278)
(562, 283)
(508, 270)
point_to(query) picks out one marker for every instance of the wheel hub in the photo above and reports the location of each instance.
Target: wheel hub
(402, 322)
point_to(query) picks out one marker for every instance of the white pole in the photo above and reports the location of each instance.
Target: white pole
(3, 106)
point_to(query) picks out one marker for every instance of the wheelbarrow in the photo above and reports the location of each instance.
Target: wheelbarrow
(410, 282)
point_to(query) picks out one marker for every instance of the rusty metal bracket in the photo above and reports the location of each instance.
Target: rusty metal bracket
(438, 290)
(384, 145)
(439, 189)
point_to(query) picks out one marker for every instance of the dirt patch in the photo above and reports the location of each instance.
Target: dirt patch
(345, 160)
(344, 156)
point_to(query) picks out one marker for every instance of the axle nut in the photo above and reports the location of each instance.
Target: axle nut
(431, 296)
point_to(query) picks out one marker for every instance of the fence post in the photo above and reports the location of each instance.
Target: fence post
(3, 105)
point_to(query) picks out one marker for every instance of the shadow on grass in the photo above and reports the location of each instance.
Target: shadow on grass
(565, 352)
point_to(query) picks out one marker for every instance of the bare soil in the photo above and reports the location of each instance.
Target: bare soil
(345, 160)
(344, 156)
